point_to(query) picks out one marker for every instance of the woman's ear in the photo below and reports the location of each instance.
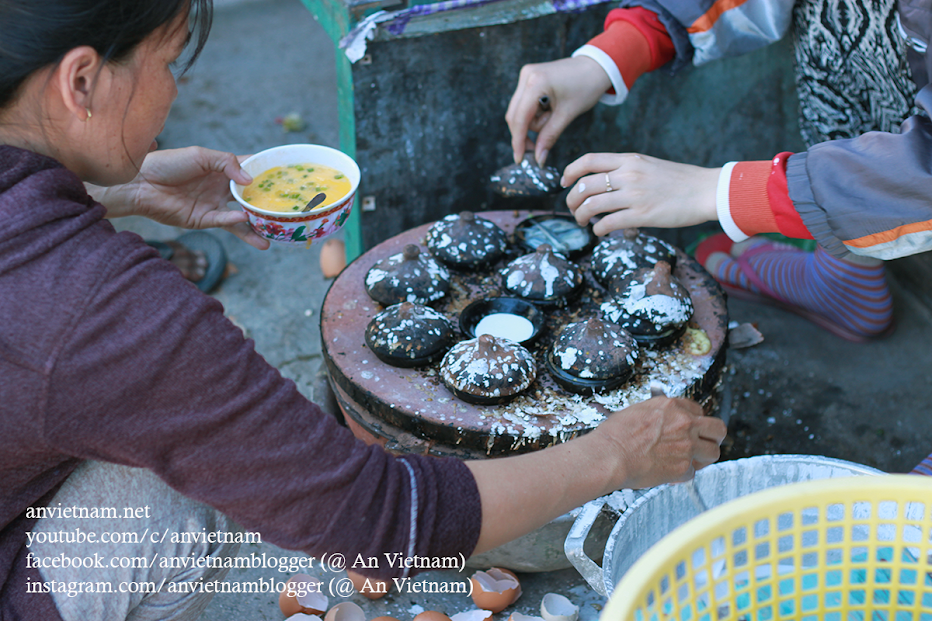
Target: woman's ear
(76, 77)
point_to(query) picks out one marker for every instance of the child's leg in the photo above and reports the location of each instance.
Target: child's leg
(923, 467)
(163, 511)
(848, 297)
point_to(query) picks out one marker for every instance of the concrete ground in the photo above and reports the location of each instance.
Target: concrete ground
(800, 391)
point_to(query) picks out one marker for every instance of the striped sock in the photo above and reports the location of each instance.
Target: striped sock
(924, 467)
(849, 295)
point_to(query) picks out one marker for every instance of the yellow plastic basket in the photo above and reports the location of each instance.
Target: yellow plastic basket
(832, 549)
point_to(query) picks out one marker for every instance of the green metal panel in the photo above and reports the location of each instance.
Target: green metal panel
(335, 19)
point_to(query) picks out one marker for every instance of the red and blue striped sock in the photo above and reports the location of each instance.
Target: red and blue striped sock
(850, 299)
(924, 467)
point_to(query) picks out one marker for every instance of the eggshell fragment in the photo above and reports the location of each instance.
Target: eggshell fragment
(517, 616)
(332, 258)
(368, 587)
(472, 615)
(304, 596)
(555, 607)
(495, 589)
(345, 611)
(303, 617)
(431, 615)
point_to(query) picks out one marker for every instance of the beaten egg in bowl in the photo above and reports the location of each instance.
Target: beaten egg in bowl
(290, 188)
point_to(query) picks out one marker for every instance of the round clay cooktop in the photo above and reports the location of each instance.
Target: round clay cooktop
(412, 410)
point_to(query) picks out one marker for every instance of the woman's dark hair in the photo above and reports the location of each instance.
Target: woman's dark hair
(38, 33)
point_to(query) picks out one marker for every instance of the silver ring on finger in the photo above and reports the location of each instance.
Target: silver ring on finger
(608, 184)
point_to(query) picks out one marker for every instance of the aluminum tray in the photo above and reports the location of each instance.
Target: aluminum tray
(646, 517)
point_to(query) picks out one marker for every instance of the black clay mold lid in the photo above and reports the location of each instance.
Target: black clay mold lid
(466, 241)
(526, 178)
(615, 256)
(650, 303)
(410, 276)
(487, 370)
(409, 335)
(592, 356)
(542, 276)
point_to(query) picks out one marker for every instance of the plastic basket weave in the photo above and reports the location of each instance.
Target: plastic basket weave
(834, 549)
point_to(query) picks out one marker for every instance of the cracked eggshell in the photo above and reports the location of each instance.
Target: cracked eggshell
(368, 587)
(345, 611)
(301, 597)
(517, 616)
(473, 615)
(301, 616)
(555, 607)
(495, 589)
(431, 615)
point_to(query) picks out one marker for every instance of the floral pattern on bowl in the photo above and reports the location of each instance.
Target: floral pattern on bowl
(302, 228)
(306, 230)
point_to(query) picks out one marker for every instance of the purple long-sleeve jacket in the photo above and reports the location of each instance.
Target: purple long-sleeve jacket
(107, 353)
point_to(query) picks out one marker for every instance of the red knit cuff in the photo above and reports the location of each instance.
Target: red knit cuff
(747, 198)
(636, 41)
(788, 221)
(648, 24)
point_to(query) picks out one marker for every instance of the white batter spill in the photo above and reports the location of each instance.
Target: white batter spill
(506, 326)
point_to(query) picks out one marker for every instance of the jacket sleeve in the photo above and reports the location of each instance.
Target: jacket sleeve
(705, 30)
(153, 375)
(870, 195)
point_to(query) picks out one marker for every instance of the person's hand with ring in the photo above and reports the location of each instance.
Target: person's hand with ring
(630, 190)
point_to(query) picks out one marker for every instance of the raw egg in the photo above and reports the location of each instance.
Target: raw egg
(368, 587)
(332, 258)
(495, 589)
(302, 593)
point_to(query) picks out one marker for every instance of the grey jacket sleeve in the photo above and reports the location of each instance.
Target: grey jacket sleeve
(703, 32)
(870, 195)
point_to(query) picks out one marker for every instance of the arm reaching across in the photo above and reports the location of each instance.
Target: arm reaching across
(649, 443)
(630, 190)
(187, 187)
(572, 85)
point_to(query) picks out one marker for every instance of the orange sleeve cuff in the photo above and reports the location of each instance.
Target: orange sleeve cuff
(636, 41)
(747, 198)
(759, 200)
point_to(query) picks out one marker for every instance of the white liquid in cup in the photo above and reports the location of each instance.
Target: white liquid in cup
(506, 326)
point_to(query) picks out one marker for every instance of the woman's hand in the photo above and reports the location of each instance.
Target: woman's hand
(188, 188)
(661, 440)
(572, 86)
(638, 190)
(652, 442)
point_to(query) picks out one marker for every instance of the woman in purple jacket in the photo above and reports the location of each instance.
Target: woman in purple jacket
(133, 411)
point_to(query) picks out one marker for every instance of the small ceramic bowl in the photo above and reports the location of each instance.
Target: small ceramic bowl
(558, 230)
(472, 315)
(299, 228)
